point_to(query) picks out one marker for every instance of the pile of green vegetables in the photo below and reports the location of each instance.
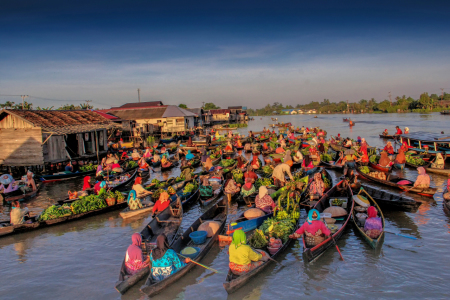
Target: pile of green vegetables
(119, 196)
(132, 164)
(365, 170)
(88, 203)
(267, 170)
(189, 188)
(326, 181)
(89, 167)
(415, 160)
(326, 157)
(263, 182)
(227, 162)
(55, 211)
(374, 159)
(238, 176)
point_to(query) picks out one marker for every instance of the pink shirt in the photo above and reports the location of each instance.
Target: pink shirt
(313, 227)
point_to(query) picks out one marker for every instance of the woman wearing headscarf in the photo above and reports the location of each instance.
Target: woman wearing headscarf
(147, 153)
(307, 162)
(99, 171)
(248, 147)
(17, 215)
(162, 203)
(133, 201)
(280, 172)
(134, 259)
(243, 258)
(143, 164)
(135, 155)
(204, 154)
(364, 158)
(283, 143)
(99, 186)
(156, 157)
(189, 143)
(400, 158)
(248, 189)
(363, 145)
(189, 155)
(389, 149)
(358, 139)
(116, 167)
(313, 227)
(263, 201)
(317, 187)
(240, 164)
(229, 147)
(423, 180)
(298, 157)
(141, 192)
(124, 155)
(265, 147)
(86, 183)
(239, 143)
(231, 187)
(287, 156)
(255, 163)
(385, 132)
(208, 165)
(164, 261)
(384, 160)
(406, 130)
(439, 162)
(373, 225)
(165, 162)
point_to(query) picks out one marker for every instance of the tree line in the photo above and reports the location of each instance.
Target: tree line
(29, 106)
(425, 103)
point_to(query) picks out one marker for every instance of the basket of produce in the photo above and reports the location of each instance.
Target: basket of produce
(313, 240)
(190, 252)
(198, 237)
(361, 200)
(339, 201)
(361, 218)
(110, 198)
(360, 209)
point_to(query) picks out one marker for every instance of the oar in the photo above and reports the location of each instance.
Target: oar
(402, 235)
(331, 234)
(197, 263)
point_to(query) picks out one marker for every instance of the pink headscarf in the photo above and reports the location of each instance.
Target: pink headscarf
(423, 178)
(134, 250)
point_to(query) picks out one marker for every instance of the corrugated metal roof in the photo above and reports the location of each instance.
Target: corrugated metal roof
(141, 104)
(140, 113)
(197, 111)
(219, 111)
(175, 111)
(105, 115)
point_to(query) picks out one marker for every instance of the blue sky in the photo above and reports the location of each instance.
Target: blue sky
(230, 53)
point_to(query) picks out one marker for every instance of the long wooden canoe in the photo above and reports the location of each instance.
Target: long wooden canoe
(312, 253)
(392, 181)
(374, 243)
(167, 222)
(24, 197)
(217, 191)
(392, 201)
(217, 213)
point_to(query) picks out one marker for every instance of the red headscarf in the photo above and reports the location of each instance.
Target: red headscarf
(248, 184)
(255, 160)
(138, 180)
(134, 250)
(265, 146)
(240, 164)
(86, 184)
(371, 212)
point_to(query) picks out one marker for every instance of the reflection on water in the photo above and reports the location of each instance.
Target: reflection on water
(55, 262)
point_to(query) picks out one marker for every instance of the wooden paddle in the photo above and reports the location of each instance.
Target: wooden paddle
(197, 263)
(402, 235)
(331, 234)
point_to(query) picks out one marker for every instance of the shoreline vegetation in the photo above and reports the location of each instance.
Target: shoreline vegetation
(425, 104)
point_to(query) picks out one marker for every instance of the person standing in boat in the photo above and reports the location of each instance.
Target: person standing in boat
(280, 171)
(373, 225)
(164, 261)
(134, 259)
(315, 230)
(243, 258)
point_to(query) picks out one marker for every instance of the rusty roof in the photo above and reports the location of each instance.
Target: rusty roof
(62, 121)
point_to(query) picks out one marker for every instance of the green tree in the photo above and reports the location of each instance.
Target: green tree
(425, 100)
(86, 106)
(210, 105)
(183, 106)
(7, 104)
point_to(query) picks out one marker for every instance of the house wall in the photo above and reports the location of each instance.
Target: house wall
(175, 124)
(14, 122)
(21, 147)
(220, 117)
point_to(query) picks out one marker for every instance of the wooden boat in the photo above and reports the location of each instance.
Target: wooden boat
(66, 176)
(218, 213)
(399, 166)
(373, 243)
(234, 282)
(186, 199)
(446, 202)
(389, 137)
(312, 253)
(443, 172)
(167, 222)
(392, 181)
(345, 120)
(194, 149)
(379, 168)
(227, 155)
(173, 163)
(331, 165)
(194, 163)
(217, 191)
(203, 143)
(127, 213)
(23, 197)
(156, 164)
(392, 201)
(425, 166)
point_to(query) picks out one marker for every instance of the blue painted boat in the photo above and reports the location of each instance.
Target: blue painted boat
(399, 166)
(186, 199)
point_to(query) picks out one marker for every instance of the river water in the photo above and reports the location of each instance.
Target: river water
(81, 260)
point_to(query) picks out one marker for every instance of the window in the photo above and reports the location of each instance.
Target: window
(180, 122)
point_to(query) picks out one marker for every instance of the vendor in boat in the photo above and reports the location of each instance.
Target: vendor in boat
(18, 214)
(280, 171)
(156, 157)
(406, 130)
(162, 203)
(135, 155)
(240, 164)
(265, 147)
(87, 183)
(141, 192)
(231, 187)
(348, 143)
(187, 174)
(124, 155)
(384, 161)
(69, 167)
(30, 185)
(189, 155)
(184, 162)
(204, 154)
(317, 187)
(165, 162)
(400, 158)
(243, 258)
(248, 147)
(134, 259)
(164, 261)
(287, 156)
(263, 201)
(358, 140)
(283, 143)
(229, 147)
(352, 179)
(423, 180)
(239, 143)
(364, 158)
(250, 174)
(147, 153)
(321, 147)
(248, 189)
(385, 132)
(373, 226)
(307, 162)
(363, 145)
(99, 185)
(349, 159)
(398, 132)
(313, 227)
(298, 157)
(439, 162)
(389, 149)
(208, 165)
(338, 137)
(255, 163)
(116, 167)
(143, 164)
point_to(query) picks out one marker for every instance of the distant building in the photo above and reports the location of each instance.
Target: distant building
(220, 115)
(288, 111)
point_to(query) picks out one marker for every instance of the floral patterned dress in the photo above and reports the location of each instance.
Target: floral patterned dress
(166, 265)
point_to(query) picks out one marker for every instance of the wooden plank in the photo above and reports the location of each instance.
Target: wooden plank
(21, 147)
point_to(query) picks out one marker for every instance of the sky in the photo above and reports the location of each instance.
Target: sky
(249, 53)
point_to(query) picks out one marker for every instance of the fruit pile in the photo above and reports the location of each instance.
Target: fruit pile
(326, 157)
(227, 162)
(379, 175)
(89, 167)
(238, 176)
(263, 182)
(415, 160)
(365, 170)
